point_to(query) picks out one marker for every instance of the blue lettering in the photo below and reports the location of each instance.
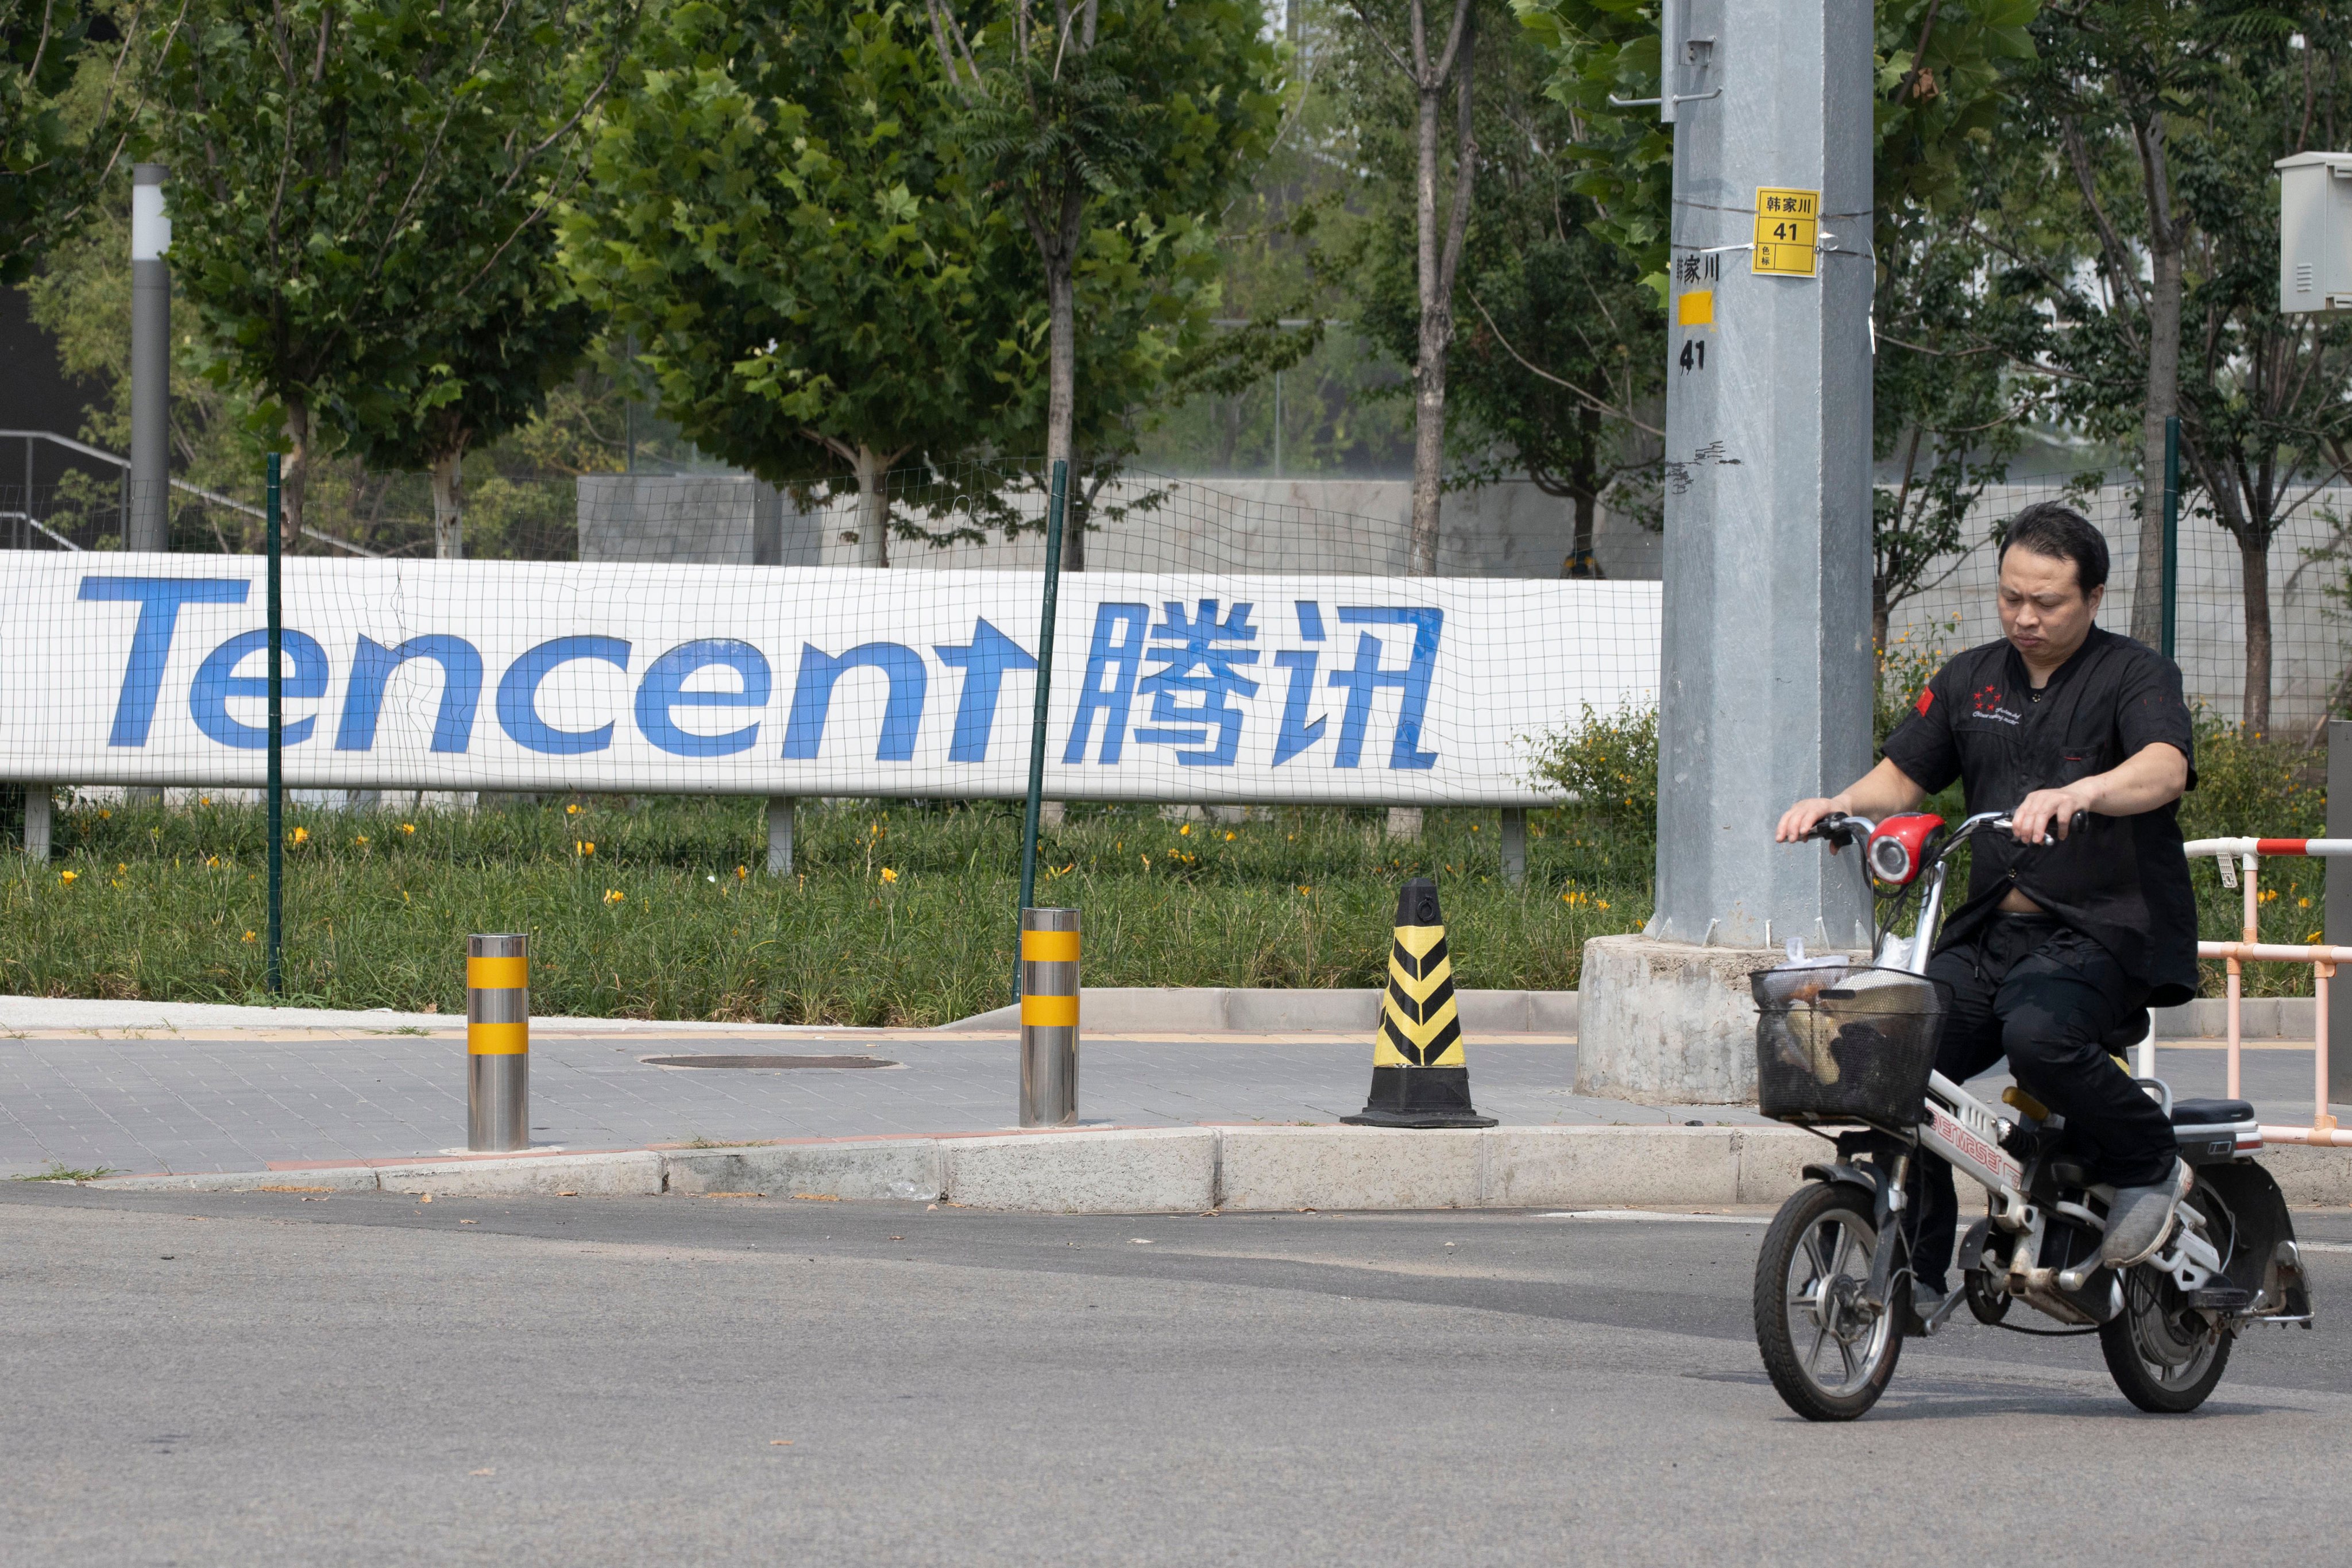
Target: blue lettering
(519, 695)
(983, 661)
(664, 689)
(461, 691)
(1368, 674)
(217, 681)
(1115, 657)
(813, 697)
(1297, 734)
(159, 600)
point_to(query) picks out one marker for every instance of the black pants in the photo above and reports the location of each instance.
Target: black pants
(2043, 995)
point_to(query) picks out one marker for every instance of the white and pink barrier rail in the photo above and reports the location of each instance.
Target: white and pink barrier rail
(2241, 863)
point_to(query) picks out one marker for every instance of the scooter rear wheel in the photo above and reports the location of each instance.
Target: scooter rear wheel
(1830, 1356)
(2165, 1357)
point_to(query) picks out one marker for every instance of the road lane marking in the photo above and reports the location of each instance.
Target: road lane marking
(1648, 1214)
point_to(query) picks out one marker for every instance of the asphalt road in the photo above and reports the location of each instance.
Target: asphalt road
(292, 1378)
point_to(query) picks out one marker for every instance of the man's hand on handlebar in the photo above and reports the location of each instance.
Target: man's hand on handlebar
(1799, 819)
(2048, 813)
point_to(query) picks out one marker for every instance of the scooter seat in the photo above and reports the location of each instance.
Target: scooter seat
(2210, 1112)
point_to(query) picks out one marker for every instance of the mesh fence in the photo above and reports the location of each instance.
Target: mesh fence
(757, 753)
(2308, 565)
(735, 751)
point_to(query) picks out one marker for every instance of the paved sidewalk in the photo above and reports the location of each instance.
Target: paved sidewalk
(222, 1099)
(231, 1104)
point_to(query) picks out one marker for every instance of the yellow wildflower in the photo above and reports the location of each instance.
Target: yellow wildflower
(740, 873)
(359, 839)
(408, 827)
(301, 835)
(584, 846)
(119, 868)
(250, 936)
(614, 896)
(1229, 839)
(889, 875)
(1183, 830)
(572, 810)
(67, 876)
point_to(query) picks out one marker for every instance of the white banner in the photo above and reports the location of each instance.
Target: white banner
(128, 668)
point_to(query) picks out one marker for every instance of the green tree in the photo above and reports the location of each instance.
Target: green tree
(2264, 421)
(2116, 82)
(348, 182)
(488, 373)
(1116, 131)
(1399, 34)
(774, 210)
(1562, 346)
(55, 152)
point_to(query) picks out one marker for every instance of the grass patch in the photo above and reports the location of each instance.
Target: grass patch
(901, 913)
(62, 1172)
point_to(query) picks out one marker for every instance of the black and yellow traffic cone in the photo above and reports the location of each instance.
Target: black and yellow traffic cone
(1419, 1075)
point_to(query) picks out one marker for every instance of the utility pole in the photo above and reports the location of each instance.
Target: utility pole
(1766, 669)
(148, 525)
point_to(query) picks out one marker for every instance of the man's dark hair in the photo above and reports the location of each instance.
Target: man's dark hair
(2052, 529)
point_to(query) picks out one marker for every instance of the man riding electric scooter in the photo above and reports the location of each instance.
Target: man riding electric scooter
(2067, 935)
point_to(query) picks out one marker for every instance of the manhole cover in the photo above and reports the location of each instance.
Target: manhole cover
(766, 1063)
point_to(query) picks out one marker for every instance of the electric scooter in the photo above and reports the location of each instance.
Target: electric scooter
(1847, 1051)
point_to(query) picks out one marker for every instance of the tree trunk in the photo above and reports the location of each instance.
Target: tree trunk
(293, 479)
(1061, 359)
(1077, 504)
(2255, 577)
(1581, 562)
(449, 505)
(873, 507)
(2163, 402)
(1429, 367)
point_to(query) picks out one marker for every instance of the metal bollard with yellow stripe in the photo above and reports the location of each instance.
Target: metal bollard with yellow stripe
(1419, 1077)
(1049, 1017)
(498, 1042)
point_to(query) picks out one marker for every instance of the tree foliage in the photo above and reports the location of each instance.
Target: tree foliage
(349, 181)
(53, 160)
(1115, 130)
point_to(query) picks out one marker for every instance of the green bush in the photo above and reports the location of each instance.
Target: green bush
(1608, 763)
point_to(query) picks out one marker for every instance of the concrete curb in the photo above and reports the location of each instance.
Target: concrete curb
(1155, 1170)
(1212, 1009)
(1109, 1008)
(72, 1012)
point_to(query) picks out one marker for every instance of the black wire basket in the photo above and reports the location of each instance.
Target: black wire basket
(1840, 1045)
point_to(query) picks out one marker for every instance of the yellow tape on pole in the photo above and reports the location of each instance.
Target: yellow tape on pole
(497, 1039)
(496, 973)
(1050, 1012)
(1049, 946)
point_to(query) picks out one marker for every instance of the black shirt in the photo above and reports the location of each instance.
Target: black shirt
(2123, 881)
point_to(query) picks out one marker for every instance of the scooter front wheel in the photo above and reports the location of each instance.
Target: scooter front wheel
(1828, 1352)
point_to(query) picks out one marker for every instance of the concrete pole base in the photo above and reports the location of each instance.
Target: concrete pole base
(1666, 1022)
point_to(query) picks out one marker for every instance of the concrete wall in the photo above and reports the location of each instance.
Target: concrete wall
(1510, 530)
(704, 519)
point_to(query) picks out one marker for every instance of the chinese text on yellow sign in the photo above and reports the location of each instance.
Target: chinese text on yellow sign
(1788, 227)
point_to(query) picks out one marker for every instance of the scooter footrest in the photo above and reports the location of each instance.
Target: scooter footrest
(2221, 1299)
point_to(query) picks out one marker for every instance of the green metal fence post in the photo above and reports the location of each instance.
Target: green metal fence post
(1054, 509)
(2172, 529)
(277, 976)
